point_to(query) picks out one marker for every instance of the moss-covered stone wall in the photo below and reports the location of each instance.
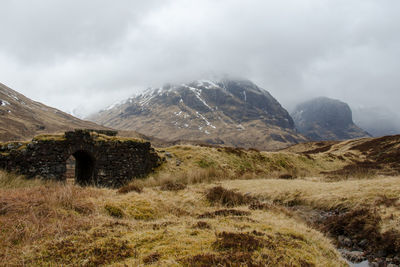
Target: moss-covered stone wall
(100, 159)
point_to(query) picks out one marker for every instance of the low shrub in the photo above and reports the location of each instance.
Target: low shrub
(202, 225)
(238, 242)
(172, 186)
(84, 251)
(225, 197)
(152, 258)
(286, 176)
(224, 212)
(130, 188)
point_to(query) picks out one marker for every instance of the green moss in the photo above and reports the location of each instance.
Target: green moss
(282, 163)
(49, 137)
(103, 137)
(205, 163)
(245, 166)
(141, 210)
(15, 145)
(114, 211)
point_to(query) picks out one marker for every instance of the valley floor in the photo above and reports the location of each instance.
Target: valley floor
(311, 205)
(258, 222)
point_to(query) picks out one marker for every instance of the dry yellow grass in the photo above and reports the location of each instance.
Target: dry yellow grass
(11, 180)
(317, 194)
(188, 164)
(57, 224)
(49, 137)
(95, 135)
(31, 215)
(320, 194)
(194, 164)
(103, 137)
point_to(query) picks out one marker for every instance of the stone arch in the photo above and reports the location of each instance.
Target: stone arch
(85, 165)
(100, 160)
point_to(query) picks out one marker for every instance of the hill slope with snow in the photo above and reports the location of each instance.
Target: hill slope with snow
(22, 118)
(229, 112)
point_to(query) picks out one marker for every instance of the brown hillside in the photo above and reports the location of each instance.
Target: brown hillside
(22, 118)
(365, 155)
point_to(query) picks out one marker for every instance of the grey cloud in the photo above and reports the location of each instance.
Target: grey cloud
(38, 31)
(96, 52)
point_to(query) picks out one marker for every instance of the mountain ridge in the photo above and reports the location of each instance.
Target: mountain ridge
(228, 112)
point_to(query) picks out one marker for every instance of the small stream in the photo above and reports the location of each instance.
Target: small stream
(353, 251)
(358, 264)
(359, 259)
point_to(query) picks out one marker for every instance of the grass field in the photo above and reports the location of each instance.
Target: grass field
(55, 224)
(205, 206)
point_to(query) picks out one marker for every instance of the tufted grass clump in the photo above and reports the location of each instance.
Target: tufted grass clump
(225, 197)
(152, 258)
(205, 163)
(141, 210)
(131, 187)
(114, 211)
(172, 186)
(238, 241)
(12, 180)
(225, 213)
(85, 250)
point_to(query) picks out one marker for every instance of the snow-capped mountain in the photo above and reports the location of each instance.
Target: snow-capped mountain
(230, 112)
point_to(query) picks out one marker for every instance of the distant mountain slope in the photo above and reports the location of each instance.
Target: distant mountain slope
(229, 112)
(377, 121)
(362, 157)
(326, 119)
(21, 118)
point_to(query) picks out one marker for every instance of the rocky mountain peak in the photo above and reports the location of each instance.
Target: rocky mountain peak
(206, 110)
(324, 118)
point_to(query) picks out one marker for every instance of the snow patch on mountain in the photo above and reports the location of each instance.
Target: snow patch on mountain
(197, 93)
(4, 103)
(207, 122)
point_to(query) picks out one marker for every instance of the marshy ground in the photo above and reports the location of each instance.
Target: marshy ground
(210, 206)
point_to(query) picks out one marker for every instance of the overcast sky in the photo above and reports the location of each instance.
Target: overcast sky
(88, 54)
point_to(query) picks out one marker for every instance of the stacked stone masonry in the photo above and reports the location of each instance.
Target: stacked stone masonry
(100, 160)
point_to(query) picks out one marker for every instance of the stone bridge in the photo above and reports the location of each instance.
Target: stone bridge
(101, 158)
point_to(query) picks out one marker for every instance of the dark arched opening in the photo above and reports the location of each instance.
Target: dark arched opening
(84, 167)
